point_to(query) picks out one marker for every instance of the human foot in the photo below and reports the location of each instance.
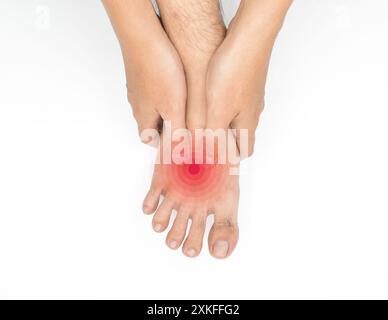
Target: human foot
(195, 190)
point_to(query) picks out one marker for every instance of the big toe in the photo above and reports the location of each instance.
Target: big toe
(223, 238)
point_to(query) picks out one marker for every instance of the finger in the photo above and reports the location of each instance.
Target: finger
(218, 118)
(196, 113)
(174, 114)
(149, 124)
(245, 125)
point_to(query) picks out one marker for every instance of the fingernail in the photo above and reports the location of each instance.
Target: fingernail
(220, 248)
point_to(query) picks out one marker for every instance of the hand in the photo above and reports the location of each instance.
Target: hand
(156, 84)
(237, 72)
(155, 77)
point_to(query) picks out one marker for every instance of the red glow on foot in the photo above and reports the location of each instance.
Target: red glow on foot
(196, 181)
(194, 169)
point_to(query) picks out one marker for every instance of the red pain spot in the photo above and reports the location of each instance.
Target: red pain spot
(194, 169)
(196, 181)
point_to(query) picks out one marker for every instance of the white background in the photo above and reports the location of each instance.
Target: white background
(313, 213)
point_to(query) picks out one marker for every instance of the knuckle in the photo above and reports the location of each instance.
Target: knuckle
(226, 223)
(216, 111)
(195, 124)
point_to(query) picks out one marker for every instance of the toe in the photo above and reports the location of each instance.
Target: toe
(151, 200)
(161, 218)
(193, 244)
(178, 230)
(223, 237)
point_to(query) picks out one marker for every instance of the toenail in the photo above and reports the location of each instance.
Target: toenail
(191, 253)
(157, 227)
(220, 248)
(173, 244)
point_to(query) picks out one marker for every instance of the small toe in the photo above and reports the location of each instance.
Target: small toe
(151, 200)
(178, 230)
(193, 244)
(161, 218)
(223, 238)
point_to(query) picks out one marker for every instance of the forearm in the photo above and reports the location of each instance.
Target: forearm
(195, 27)
(134, 21)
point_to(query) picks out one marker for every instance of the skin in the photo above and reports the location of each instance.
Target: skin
(196, 30)
(219, 81)
(156, 84)
(237, 72)
(223, 204)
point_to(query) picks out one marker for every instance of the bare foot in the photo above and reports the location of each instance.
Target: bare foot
(195, 190)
